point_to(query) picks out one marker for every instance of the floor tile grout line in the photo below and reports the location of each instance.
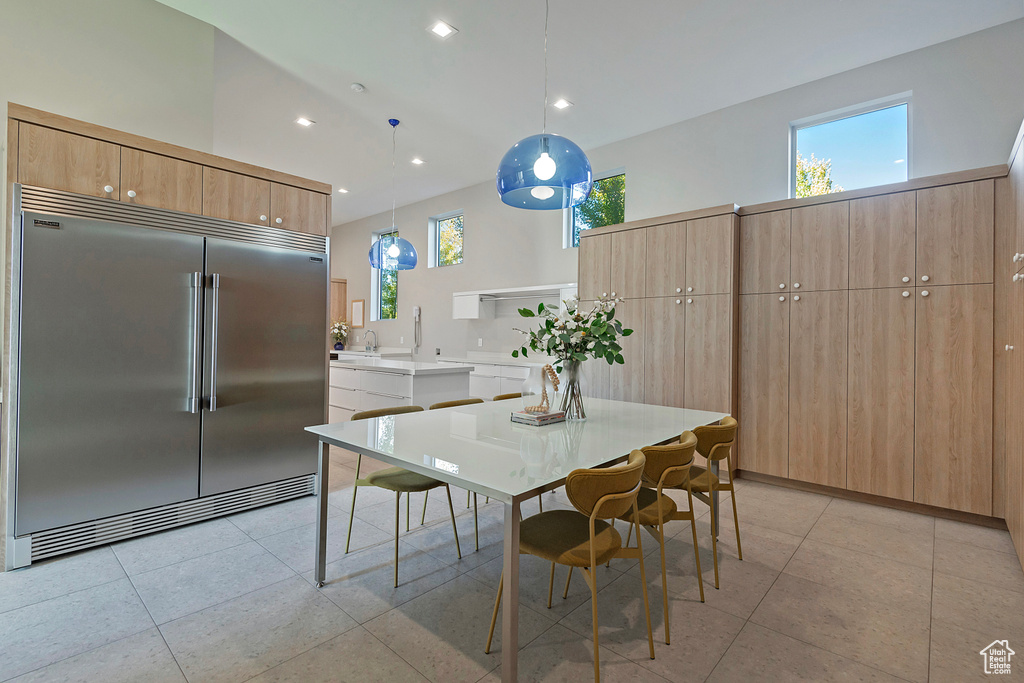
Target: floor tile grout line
(71, 592)
(304, 652)
(171, 564)
(389, 649)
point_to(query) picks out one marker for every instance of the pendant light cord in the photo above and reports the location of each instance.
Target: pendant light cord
(547, 10)
(394, 151)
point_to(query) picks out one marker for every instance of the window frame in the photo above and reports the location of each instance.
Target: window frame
(375, 274)
(846, 113)
(567, 222)
(434, 238)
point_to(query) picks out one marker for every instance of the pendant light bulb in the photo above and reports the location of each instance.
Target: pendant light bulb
(394, 251)
(544, 167)
(542, 192)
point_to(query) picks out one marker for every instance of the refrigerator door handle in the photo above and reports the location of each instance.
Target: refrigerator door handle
(215, 284)
(197, 324)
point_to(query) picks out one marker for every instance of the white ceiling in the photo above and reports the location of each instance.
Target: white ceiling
(629, 67)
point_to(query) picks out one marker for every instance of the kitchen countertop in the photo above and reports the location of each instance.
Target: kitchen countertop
(492, 358)
(400, 367)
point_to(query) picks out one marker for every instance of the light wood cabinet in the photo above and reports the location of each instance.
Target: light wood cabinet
(666, 259)
(1014, 411)
(817, 387)
(764, 252)
(292, 208)
(626, 382)
(628, 264)
(764, 384)
(64, 161)
(595, 263)
(820, 241)
(883, 241)
(664, 341)
(953, 398)
(164, 182)
(708, 352)
(235, 197)
(880, 436)
(955, 234)
(709, 255)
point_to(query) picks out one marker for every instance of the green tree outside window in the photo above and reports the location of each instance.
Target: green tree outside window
(814, 177)
(606, 205)
(387, 283)
(449, 241)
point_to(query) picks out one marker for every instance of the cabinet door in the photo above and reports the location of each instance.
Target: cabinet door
(880, 440)
(953, 397)
(955, 226)
(666, 259)
(626, 382)
(663, 352)
(235, 197)
(293, 208)
(817, 387)
(764, 252)
(64, 161)
(820, 247)
(629, 264)
(764, 384)
(1014, 450)
(161, 181)
(595, 266)
(708, 353)
(883, 241)
(709, 255)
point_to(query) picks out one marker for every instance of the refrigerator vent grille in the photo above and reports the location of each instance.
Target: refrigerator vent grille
(59, 203)
(87, 534)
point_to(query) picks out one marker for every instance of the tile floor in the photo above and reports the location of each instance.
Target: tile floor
(828, 590)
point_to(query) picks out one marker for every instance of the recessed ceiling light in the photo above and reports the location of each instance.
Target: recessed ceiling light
(418, 161)
(342, 190)
(562, 104)
(303, 121)
(443, 30)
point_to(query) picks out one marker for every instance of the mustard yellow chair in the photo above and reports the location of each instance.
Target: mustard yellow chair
(584, 539)
(398, 480)
(715, 442)
(505, 397)
(667, 467)
(476, 524)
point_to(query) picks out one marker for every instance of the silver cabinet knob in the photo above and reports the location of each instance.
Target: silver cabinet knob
(782, 285)
(1009, 347)
(679, 301)
(613, 294)
(796, 285)
(604, 293)
(689, 301)
(678, 290)
(689, 289)
(924, 293)
(131, 194)
(925, 278)
(278, 221)
(906, 278)
(906, 294)
(263, 218)
(108, 189)
(796, 298)
(782, 298)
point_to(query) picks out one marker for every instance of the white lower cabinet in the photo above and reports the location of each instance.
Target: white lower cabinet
(355, 390)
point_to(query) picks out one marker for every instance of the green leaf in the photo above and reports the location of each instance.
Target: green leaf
(580, 356)
(619, 359)
(626, 333)
(525, 355)
(540, 307)
(526, 312)
(515, 354)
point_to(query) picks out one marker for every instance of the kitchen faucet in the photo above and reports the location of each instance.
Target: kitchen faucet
(370, 349)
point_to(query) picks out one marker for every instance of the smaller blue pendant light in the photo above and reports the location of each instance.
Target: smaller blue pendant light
(545, 171)
(391, 252)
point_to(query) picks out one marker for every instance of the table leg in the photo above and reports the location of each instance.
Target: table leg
(714, 469)
(323, 467)
(510, 596)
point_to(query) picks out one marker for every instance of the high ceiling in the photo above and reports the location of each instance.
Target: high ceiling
(629, 67)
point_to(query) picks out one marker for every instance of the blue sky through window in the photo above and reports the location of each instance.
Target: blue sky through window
(867, 149)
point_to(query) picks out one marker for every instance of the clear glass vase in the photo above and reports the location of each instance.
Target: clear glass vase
(537, 389)
(572, 390)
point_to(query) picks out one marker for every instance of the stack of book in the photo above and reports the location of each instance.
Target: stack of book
(538, 419)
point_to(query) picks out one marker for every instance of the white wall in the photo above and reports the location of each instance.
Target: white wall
(966, 109)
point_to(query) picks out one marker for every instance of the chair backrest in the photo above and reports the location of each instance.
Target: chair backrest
(714, 442)
(381, 412)
(675, 457)
(505, 397)
(457, 403)
(586, 488)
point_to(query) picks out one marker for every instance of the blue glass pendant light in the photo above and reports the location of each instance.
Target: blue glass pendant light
(391, 252)
(545, 171)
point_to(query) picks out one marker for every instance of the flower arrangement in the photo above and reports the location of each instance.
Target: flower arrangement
(572, 336)
(339, 331)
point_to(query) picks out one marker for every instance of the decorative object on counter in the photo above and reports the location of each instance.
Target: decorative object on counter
(537, 383)
(572, 337)
(538, 419)
(391, 252)
(356, 318)
(339, 331)
(545, 171)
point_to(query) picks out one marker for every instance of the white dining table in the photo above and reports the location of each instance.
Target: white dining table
(477, 447)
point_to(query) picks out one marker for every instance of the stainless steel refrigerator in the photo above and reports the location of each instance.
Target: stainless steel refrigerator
(157, 358)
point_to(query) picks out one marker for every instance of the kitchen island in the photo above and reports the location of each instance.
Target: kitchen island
(358, 384)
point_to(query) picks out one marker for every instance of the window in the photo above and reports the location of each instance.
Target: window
(858, 147)
(385, 283)
(606, 205)
(445, 239)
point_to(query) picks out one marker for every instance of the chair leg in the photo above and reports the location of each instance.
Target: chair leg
(540, 503)
(455, 529)
(736, 522)
(476, 524)
(398, 505)
(494, 615)
(551, 584)
(664, 579)
(643, 583)
(423, 517)
(593, 611)
(352, 512)
(467, 499)
(714, 532)
(408, 503)
(567, 580)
